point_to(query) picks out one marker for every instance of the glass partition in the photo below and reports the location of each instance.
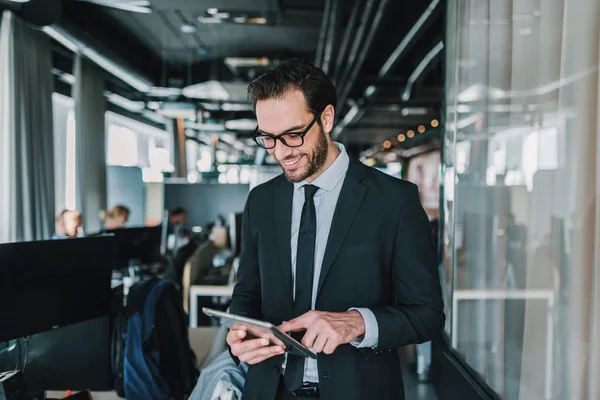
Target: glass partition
(520, 212)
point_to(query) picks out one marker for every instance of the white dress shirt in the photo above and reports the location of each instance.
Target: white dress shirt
(330, 184)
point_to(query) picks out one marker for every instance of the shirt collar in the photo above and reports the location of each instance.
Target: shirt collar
(332, 175)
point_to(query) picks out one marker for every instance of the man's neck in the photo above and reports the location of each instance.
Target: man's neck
(332, 154)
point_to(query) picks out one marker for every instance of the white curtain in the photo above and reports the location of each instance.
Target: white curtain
(90, 109)
(26, 142)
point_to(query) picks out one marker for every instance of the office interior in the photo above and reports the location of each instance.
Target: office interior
(124, 127)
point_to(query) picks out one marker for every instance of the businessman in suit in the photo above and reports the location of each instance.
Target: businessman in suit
(336, 253)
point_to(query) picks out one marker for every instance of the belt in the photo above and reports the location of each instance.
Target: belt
(308, 389)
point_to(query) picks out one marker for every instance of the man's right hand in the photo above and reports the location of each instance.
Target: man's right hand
(252, 347)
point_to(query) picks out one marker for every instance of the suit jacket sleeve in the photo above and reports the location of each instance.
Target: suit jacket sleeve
(246, 298)
(418, 315)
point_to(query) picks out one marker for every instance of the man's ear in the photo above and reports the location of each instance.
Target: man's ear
(327, 118)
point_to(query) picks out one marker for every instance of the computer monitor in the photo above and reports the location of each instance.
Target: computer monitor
(50, 284)
(140, 245)
(235, 232)
(204, 202)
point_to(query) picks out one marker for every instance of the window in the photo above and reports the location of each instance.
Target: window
(520, 173)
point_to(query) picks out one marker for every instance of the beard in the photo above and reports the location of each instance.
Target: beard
(316, 159)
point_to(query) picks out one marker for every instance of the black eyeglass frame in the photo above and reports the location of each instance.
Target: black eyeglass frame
(281, 136)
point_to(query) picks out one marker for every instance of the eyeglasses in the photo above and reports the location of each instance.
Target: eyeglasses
(290, 139)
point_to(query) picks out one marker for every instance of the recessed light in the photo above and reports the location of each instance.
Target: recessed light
(209, 20)
(257, 20)
(188, 28)
(410, 133)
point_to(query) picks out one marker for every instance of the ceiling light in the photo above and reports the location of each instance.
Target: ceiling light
(209, 20)
(19, 1)
(221, 15)
(236, 107)
(435, 123)
(410, 133)
(207, 90)
(421, 128)
(246, 61)
(188, 28)
(212, 11)
(125, 103)
(401, 137)
(178, 110)
(153, 105)
(387, 144)
(240, 20)
(164, 91)
(241, 124)
(257, 20)
(414, 111)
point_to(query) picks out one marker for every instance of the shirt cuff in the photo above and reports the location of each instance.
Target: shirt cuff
(371, 336)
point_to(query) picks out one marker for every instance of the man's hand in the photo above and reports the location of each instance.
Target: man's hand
(253, 346)
(325, 331)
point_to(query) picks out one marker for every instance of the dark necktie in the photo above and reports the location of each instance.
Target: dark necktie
(305, 260)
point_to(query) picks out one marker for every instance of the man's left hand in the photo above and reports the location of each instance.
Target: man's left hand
(325, 331)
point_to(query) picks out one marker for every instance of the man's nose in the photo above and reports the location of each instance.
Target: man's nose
(281, 150)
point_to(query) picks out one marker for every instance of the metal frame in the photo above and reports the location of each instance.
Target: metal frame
(527, 294)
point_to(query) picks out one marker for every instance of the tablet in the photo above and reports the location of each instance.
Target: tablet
(262, 329)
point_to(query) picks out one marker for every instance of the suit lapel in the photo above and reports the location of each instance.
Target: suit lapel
(350, 199)
(282, 214)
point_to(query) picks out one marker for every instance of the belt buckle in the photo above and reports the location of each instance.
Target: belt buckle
(308, 389)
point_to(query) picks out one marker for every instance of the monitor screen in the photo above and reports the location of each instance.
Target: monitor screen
(54, 283)
(204, 202)
(141, 245)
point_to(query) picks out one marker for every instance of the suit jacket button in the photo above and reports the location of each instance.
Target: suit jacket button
(275, 371)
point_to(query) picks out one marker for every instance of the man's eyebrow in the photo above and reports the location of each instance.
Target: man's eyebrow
(292, 129)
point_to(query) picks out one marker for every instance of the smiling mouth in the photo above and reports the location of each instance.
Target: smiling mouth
(291, 163)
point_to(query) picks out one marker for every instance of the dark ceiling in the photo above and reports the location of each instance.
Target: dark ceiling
(180, 44)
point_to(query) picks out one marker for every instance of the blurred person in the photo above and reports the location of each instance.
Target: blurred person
(69, 224)
(116, 217)
(177, 216)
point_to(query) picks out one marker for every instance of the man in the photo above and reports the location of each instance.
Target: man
(340, 251)
(68, 225)
(177, 216)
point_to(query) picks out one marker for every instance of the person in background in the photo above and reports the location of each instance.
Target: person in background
(68, 225)
(177, 216)
(115, 218)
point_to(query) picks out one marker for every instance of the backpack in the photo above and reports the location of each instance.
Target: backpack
(151, 354)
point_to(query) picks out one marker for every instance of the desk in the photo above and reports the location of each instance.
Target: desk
(205, 291)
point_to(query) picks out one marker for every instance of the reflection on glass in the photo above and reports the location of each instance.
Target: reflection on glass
(520, 173)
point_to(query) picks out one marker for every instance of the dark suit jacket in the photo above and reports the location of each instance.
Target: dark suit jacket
(379, 255)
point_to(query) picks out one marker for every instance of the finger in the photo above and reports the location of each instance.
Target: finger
(239, 327)
(310, 336)
(253, 344)
(259, 355)
(298, 324)
(236, 336)
(330, 346)
(320, 343)
(273, 339)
